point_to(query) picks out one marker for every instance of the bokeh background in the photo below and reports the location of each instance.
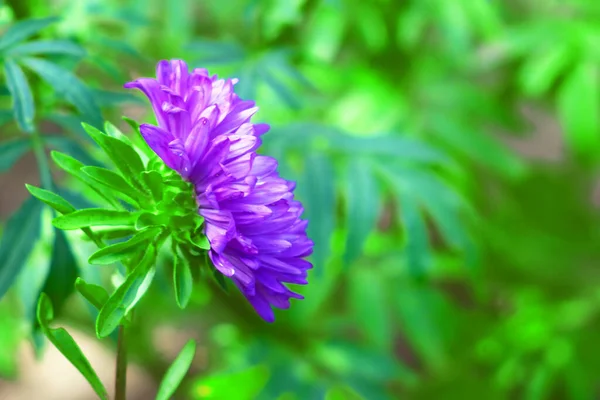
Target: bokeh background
(447, 156)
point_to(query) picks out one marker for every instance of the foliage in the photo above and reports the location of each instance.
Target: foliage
(449, 262)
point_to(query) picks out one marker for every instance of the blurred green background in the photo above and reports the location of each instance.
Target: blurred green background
(447, 156)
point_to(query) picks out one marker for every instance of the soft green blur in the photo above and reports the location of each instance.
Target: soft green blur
(446, 153)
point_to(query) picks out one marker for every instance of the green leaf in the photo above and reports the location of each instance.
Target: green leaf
(68, 85)
(578, 104)
(318, 195)
(18, 239)
(52, 199)
(22, 30)
(177, 371)
(113, 181)
(36, 47)
(94, 294)
(67, 163)
(118, 251)
(123, 156)
(11, 151)
(153, 182)
(67, 346)
(23, 106)
(63, 271)
(418, 250)
(542, 70)
(363, 206)
(248, 384)
(182, 279)
(127, 295)
(93, 217)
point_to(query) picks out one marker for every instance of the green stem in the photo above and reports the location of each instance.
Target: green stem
(42, 161)
(121, 369)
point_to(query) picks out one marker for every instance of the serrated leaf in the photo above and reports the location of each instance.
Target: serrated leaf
(113, 181)
(363, 206)
(36, 47)
(61, 339)
(68, 85)
(23, 106)
(52, 199)
(127, 295)
(177, 371)
(22, 30)
(125, 158)
(318, 195)
(249, 383)
(182, 279)
(11, 151)
(578, 104)
(18, 238)
(63, 271)
(93, 217)
(94, 294)
(115, 252)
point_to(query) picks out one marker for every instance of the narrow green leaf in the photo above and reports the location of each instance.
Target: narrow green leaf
(127, 295)
(23, 106)
(94, 294)
(68, 85)
(36, 47)
(61, 339)
(177, 371)
(63, 271)
(417, 237)
(153, 182)
(22, 30)
(113, 181)
(67, 163)
(18, 239)
(363, 206)
(122, 154)
(11, 151)
(318, 195)
(543, 68)
(118, 251)
(93, 217)
(182, 279)
(578, 105)
(52, 199)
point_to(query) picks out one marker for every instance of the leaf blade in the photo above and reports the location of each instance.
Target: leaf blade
(23, 106)
(177, 371)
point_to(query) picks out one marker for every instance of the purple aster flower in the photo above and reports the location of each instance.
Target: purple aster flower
(251, 218)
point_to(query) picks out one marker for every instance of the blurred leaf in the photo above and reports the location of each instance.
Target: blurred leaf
(23, 106)
(248, 384)
(538, 387)
(324, 33)
(63, 271)
(177, 371)
(363, 206)
(22, 30)
(127, 295)
(11, 151)
(94, 294)
(93, 217)
(417, 238)
(72, 147)
(36, 47)
(578, 104)
(68, 85)
(216, 52)
(318, 195)
(182, 279)
(107, 98)
(67, 346)
(542, 70)
(116, 252)
(367, 298)
(21, 232)
(342, 393)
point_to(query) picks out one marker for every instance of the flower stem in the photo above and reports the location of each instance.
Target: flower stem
(121, 368)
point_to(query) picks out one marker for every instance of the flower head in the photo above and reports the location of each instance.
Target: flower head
(251, 218)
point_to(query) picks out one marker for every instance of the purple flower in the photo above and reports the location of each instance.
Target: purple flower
(251, 218)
